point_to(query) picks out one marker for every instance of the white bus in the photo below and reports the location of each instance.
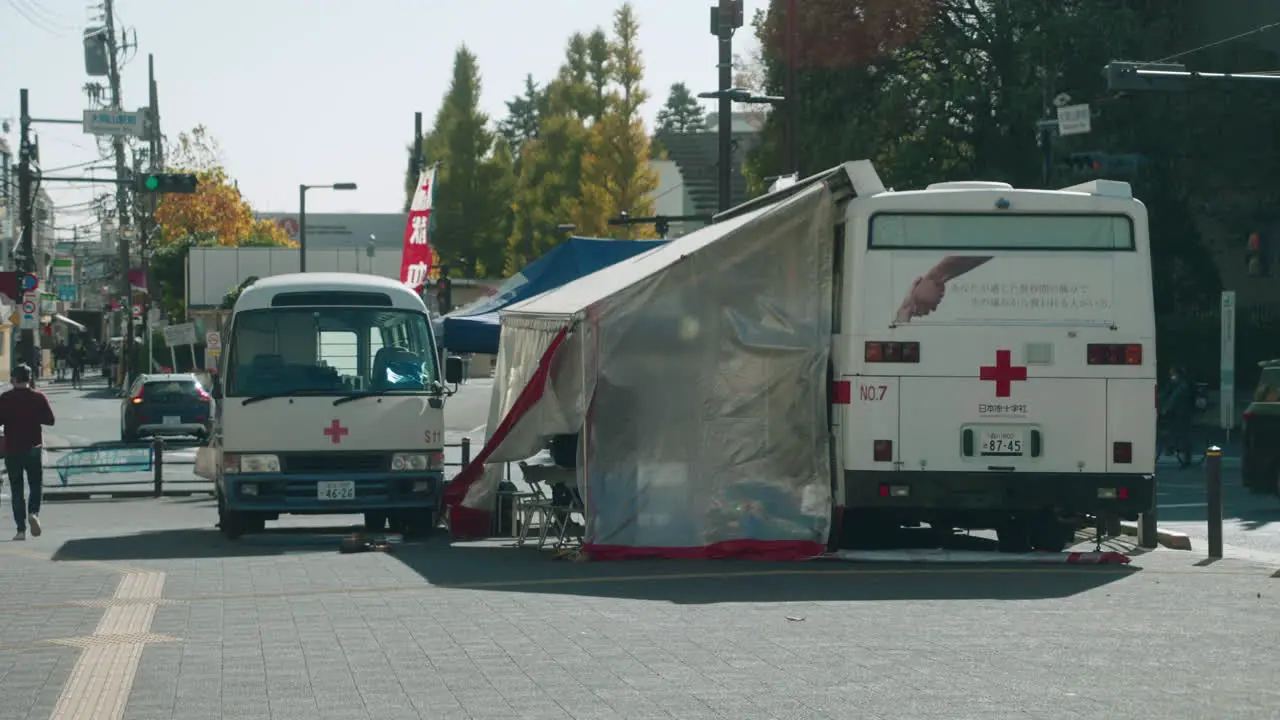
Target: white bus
(993, 360)
(329, 400)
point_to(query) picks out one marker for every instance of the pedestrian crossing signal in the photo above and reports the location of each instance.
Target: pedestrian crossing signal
(168, 183)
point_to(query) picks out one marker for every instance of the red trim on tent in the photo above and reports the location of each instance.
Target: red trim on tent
(468, 522)
(767, 550)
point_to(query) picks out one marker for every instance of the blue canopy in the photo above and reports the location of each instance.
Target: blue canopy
(474, 328)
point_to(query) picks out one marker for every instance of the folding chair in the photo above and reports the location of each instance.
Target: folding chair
(534, 503)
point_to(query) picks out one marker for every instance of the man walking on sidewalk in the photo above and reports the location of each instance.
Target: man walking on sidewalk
(23, 412)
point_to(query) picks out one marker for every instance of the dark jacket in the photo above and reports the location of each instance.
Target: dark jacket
(1180, 401)
(23, 412)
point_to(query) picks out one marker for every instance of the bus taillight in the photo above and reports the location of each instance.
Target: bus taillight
(1103, 354)
(883, 451)
(1122, 453)
(892, 352)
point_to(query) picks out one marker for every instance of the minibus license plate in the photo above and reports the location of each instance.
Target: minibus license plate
(336, 490)
(1001, 443)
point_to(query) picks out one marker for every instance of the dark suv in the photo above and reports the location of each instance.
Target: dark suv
(1260, 453)
(165, 405)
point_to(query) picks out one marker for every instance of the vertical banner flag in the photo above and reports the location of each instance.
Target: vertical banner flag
(415, 264)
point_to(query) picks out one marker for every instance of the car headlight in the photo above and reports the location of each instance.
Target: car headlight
(233, 464)
(417, 462)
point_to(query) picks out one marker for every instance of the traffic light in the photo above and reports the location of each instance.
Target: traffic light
(175, 183)
(734, 19)
(1257, 258)
(1145, 77)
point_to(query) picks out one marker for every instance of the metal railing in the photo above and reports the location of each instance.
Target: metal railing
(155, 463)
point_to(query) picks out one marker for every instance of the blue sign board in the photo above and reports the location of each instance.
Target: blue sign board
(30, 282)
(67, 292)
(103, 460)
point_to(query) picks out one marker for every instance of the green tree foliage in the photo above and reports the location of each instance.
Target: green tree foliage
(523, 114)
(551, 163)
(474, 182)
(933, 90)
(616, 176)
(681, 113)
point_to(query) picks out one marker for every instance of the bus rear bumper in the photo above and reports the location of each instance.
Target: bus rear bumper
(918, 496)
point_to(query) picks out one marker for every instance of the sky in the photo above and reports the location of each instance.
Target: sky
(316, 91)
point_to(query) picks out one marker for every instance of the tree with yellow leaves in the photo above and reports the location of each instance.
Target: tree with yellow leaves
(616, 176)
(214, 215)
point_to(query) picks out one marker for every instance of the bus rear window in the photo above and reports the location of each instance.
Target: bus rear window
(1000, 231)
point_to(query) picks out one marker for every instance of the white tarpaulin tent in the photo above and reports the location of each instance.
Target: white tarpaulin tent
(696, 375)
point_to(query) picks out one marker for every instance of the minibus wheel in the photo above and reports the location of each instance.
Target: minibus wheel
(375, 521)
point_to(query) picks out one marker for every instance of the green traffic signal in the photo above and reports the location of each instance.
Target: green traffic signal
(168, 183)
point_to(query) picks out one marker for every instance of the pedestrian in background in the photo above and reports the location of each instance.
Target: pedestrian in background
(23, 413)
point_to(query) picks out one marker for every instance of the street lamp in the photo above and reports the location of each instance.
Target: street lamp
(302, 217)
(727, 96)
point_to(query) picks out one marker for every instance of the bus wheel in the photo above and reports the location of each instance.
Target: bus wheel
(1014, 536)
(1051, 536)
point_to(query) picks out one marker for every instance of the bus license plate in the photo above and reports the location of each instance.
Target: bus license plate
(336, 490)
(1001, 443)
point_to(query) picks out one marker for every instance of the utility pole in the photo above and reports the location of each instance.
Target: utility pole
(724, 21)
(122, 189)
(26, 218)
(793, 99)
(148, 227)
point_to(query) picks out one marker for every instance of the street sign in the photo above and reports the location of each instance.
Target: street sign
(213, 342)
(30, 282)
(48, 303)
(30, 309)
(67, 291)
(1074, 120)
(176, 335)
(115, 123)
(1227, 368)
(137, 312)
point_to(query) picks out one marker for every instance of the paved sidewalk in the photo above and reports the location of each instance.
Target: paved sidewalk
(148, 599)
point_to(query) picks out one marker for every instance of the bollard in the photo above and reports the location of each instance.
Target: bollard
(1213, 493)
(157, 464)
(466, 451)
(1147, 530)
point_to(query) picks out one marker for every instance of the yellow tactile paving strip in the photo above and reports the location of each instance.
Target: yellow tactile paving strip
(103, 675)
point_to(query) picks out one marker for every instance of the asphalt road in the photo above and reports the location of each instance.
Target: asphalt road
(1251, 523)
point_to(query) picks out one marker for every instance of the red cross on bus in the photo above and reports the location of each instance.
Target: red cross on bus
(1003, 373)
(335, 431)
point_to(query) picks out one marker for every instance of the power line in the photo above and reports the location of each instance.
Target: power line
(32, 19)
(1217, 43)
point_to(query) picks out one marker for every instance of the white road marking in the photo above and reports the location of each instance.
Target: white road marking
(1181, 505)
(104, 673)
